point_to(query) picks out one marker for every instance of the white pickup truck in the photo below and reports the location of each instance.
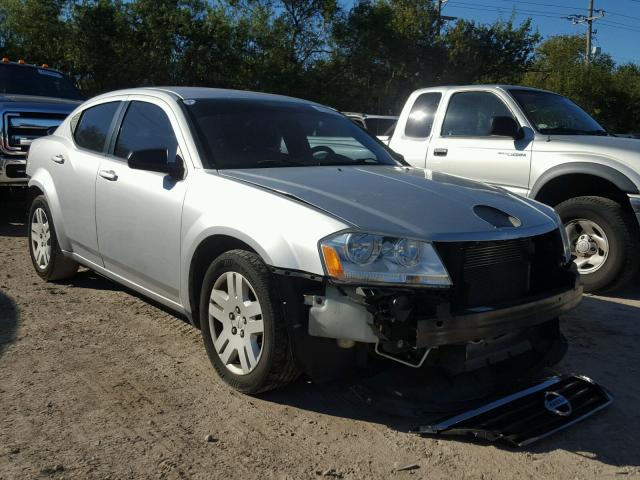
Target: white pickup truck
(540, 145)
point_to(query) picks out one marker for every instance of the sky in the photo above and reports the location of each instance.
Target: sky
(617, 33)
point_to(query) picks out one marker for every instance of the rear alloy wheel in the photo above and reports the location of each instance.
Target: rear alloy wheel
(47, 257)
(603, 240)
(243, 326)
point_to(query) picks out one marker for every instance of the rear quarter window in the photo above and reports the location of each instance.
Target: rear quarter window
(93, 127)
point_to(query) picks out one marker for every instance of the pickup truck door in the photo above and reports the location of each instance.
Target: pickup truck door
(463, 145)
(139, 212)
(74, 170)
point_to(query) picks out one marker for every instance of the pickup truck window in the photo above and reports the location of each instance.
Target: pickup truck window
(551, 114)
(93, 127)
(41, 82)
(422, 114)
(145, 126)
(470, 113)
(240, 133)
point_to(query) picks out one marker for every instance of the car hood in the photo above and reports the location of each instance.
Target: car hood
(403, 201)
(35, 103)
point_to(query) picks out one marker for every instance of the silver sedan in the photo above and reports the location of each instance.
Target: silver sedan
(292, 238)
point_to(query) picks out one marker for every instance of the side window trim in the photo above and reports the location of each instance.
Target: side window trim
(104, 150)
(448, 105)
(116, 125)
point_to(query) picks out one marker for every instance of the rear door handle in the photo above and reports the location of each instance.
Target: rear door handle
(109, 175)
(440, 152)
(58, 158)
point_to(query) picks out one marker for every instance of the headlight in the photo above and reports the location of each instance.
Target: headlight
(359, 257)
(565, 239)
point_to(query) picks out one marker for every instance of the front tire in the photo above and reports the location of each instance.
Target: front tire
(242, 324)
(46, 255)
(604, 241)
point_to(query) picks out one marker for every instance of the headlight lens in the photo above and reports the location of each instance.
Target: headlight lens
(359, 257)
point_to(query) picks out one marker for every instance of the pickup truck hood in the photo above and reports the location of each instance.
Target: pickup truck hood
(626, 150)
(37, 104)
(402, 201)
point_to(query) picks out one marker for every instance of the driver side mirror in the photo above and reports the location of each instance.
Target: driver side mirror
(156, 160)
(506, 127)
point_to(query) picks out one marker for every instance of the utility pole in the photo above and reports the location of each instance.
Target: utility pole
(440, 18)
(588, 19)
(589, 31)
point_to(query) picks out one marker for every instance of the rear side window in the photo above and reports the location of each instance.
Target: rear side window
(145, 127)
(470, 114)
(422, 114)
(93, 128)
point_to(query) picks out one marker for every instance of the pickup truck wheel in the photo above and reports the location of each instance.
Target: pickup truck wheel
(46, 255)
(603, 241)
(242, 324)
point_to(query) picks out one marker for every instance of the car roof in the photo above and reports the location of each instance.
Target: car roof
(202, 93)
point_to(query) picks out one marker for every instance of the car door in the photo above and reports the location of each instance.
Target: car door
(415, 135)
(465, 147)
(138, 212)
(74, 171)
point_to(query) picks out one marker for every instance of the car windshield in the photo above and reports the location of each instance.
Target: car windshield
(551, 114)
(249, 133)
(41, 82)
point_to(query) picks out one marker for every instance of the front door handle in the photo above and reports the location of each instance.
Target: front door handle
(440, 152)
(109, 175)
(58, 158)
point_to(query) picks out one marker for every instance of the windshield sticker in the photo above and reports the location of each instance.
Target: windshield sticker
(49, 72)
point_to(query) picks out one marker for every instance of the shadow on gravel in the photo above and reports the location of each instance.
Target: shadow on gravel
(8, 321)
(13, 214)
(603, 338)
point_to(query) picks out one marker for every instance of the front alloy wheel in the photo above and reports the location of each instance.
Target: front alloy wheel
(589, 244)
(235, 323)
(243, 324)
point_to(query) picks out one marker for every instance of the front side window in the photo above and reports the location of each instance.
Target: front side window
(470, 114)
(551, 113)
(92, 129)
(422, 114)
(241, 133)
(145, 127)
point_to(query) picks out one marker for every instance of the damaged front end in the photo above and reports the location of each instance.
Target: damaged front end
(502, 302)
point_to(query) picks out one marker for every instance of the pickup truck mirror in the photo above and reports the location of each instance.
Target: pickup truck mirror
(506, 127)
(156, 160)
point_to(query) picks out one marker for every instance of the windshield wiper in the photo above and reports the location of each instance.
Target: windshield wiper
(281, 162)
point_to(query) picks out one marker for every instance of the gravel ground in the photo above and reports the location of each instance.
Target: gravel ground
(95, 382)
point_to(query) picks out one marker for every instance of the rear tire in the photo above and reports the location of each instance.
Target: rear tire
(243, 326)
(612, 234)
(46, 255)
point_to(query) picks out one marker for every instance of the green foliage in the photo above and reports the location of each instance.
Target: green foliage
(368, 57)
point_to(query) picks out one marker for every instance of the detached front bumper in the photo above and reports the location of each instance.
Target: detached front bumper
(13, 172)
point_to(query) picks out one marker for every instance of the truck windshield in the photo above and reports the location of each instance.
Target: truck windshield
(248, 133)
(551, 114)
(41, 82)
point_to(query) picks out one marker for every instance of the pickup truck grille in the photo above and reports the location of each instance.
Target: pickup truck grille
(22, 128)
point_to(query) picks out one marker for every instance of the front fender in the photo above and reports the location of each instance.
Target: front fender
(41, 179)
(621, 176)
